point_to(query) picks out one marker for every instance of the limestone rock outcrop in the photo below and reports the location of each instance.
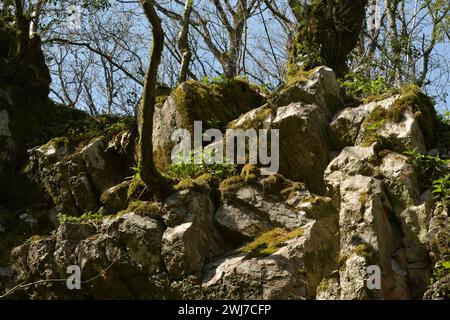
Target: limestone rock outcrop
(347, 202)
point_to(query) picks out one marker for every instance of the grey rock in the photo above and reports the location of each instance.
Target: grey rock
(293, 272)
(346, 124)
(191, 238)
(249, 213)
(321, 88)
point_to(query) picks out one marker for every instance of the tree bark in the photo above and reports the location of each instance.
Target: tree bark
(147, 169)
(23, 26)
(183, 42)
(391, 9)
(36, 15)
(328, 31)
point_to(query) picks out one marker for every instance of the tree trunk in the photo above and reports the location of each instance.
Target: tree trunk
(149, 174)
(36, 14)
(328, 31)
(23, 26)
(183, 42)
(391, 9)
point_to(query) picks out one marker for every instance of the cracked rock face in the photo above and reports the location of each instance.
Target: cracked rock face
(74, 180)
(191, 238)
(304, 143)
(250, 214)
(346, 124)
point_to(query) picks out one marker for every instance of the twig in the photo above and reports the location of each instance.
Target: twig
(23, 286)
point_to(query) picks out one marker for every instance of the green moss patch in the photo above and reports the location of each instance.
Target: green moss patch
(136, 190)
(142, 208)
(250, 173)
(204, 183)
(412, 99)
(278, 187)
(363, 250)
(216, 104)
(230, 186)
(299, 76)
(87, 217)
(271, 241)
(423, 108)
(372, 124)
(257, 120)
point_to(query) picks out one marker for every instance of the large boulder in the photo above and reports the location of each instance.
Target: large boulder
(402, 135)
(75, 179)
(367, 239)
(293, 271)
(118, 258)
(350, 162)
(191, 239)
(346, 123)
(383, 221)
(404, 121)
(318, 86)
(214, 104)
(250, 209)
(303, 139)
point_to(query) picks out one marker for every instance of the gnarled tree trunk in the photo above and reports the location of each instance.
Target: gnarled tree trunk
(149, 174)
(183, 42)
(328, 31)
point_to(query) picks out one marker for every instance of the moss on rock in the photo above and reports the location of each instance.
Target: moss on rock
(231, 185)
(278, 187)
(411, 99)
(216, 104)
(250, 173)
(270, 242)
(363, 250)
(136, 190)
(205, 183)
(423, 108)
(143, 208)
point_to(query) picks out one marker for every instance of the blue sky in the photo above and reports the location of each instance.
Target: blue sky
(439, 85)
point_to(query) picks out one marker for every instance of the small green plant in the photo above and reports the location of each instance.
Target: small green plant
(431, 167)
(441, 270)
(205, 80)
(136, 174)
(87, 217)
(186, 168)
(441, 189)
(220, 80)
(213, 123)
(361, 87)
(434, 171)
(445, 118)
(373, 127)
